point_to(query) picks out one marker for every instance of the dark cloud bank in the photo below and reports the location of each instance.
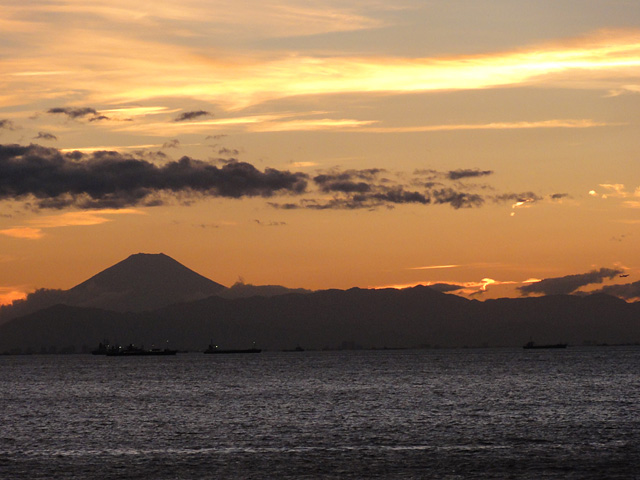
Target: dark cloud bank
(627, 291)
(108, 179)
(569, 283)
(113, 180)
(373, 188)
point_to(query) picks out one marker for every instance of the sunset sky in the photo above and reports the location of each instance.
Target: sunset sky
(476, 146)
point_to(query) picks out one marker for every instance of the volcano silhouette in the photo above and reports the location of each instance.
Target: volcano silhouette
(141, 282)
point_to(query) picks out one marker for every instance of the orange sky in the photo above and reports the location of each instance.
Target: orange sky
(345, 144)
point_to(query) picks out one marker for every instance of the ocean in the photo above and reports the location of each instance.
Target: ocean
(392, 414)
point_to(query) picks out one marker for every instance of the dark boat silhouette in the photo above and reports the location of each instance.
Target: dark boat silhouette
(214, 349)
(133, 351)
(531, 345)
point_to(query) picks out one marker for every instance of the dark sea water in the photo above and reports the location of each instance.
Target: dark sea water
(445, 414)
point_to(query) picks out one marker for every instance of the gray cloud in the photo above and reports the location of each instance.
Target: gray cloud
(457, 199)
(334, 176)
(558, 196)
(73, 112)
(399, 195)
(452, 175)
(428, 172)
(191, 115)
(569, 283)
(45, 136)
(270, 224)
(446, 287)
(362, 189)
(108, 179)
(367, 189)
(340, 183)
(628, 291)
(114, 180)
(175, 143)
(517, 197)
(229, 151)
(467, 173)
(284, 206)
(89, 113)
(6, 124)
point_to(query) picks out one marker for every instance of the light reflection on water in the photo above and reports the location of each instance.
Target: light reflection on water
(374, 414)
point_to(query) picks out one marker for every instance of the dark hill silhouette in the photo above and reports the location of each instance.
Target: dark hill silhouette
(413, 317)
(138, 283)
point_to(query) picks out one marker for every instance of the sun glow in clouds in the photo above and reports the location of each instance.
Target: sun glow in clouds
(466, 288)
(618, 190)
(131, 70)
(10, 294)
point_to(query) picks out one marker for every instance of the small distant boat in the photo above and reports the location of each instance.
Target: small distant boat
(133, 351)
(531, 345)
(214, 349)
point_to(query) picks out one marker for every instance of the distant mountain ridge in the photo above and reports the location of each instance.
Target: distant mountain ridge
(333, 319)
(143, 281)
(152, 299)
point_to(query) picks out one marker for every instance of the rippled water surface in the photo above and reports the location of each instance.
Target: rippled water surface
(450, 414)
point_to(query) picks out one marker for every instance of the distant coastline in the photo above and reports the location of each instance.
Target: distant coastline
(149, 299)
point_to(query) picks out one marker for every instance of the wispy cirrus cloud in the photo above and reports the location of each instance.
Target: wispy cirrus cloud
(255, 82)
(83, 218)
(31, 233)
(35, 227)
(131, 69)
(434, 267)
(524, 125)
(619, 192)
(319, 121)
(259, 19)
(262, 123)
